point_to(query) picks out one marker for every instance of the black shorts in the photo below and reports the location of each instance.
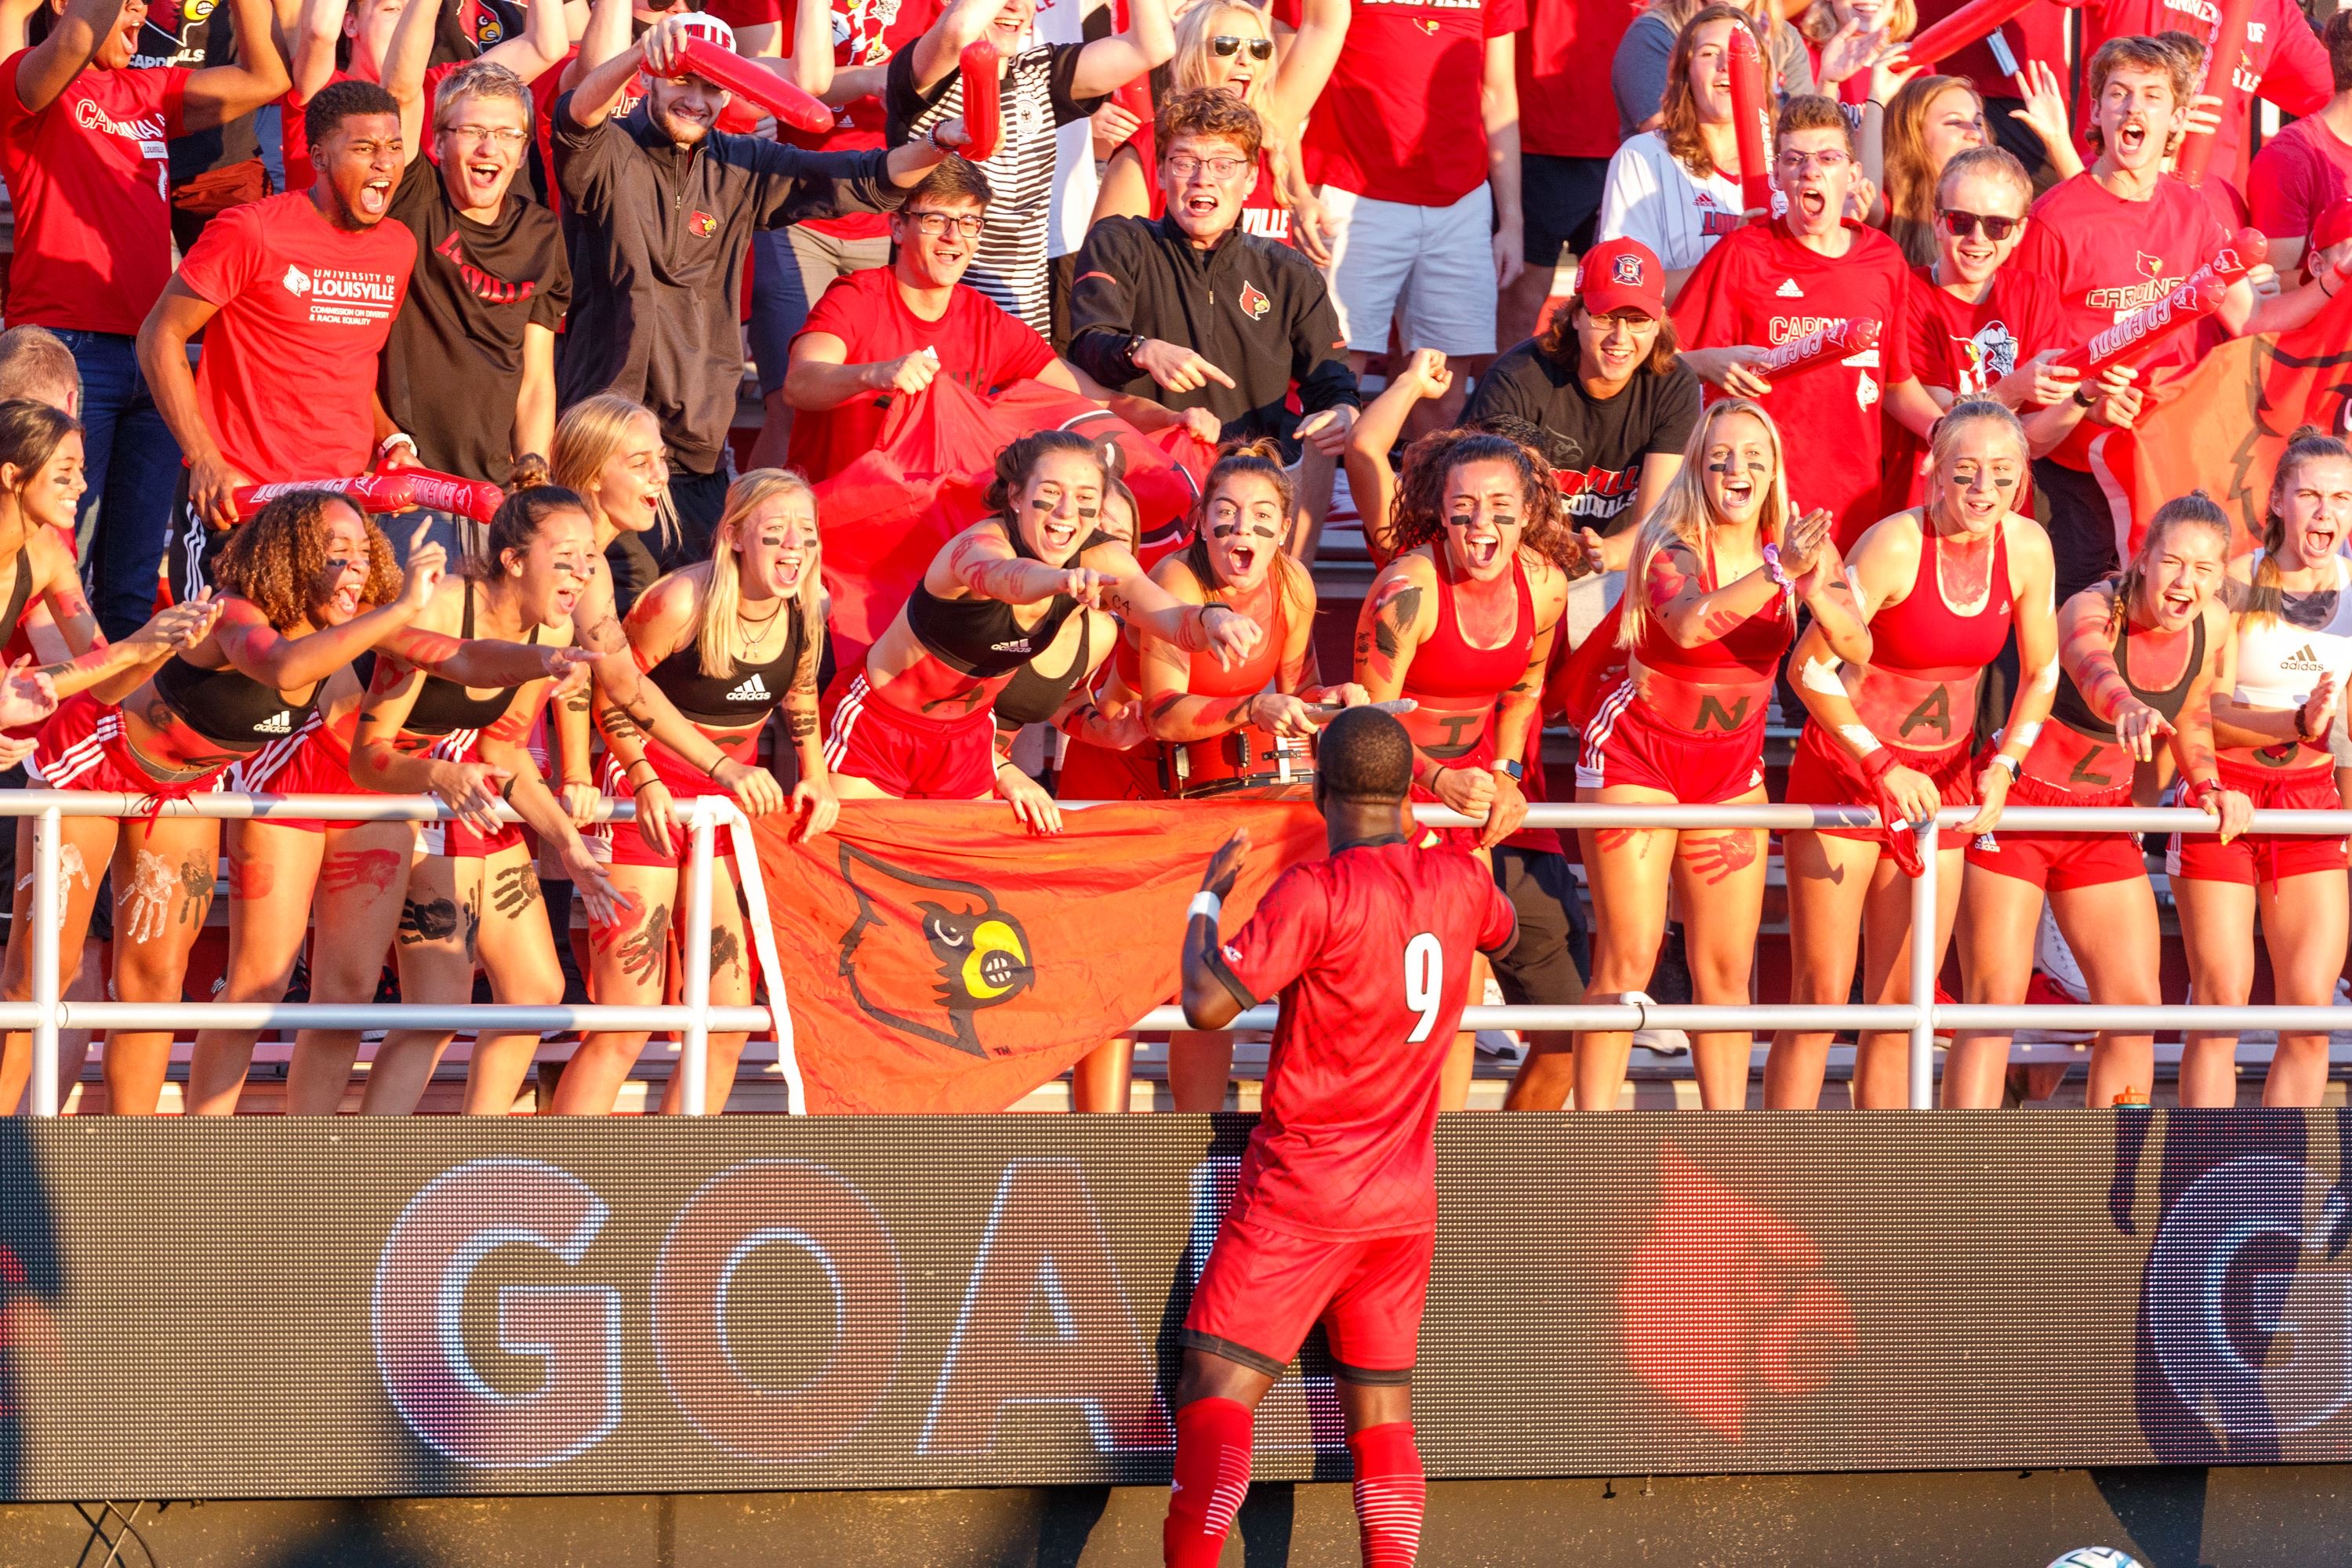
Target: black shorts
(1561, 198)
(2081, 524)
(190, 549)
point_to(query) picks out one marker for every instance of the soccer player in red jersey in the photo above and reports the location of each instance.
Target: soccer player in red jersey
(1772, 283)
(1335, 1214)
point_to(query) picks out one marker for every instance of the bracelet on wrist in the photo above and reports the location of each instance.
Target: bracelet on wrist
(710, 770)
(2082, 401)
(1772, 567)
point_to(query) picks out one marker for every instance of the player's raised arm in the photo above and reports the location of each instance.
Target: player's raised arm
(1212, 998)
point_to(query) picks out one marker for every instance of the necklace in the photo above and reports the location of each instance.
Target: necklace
(755, 633)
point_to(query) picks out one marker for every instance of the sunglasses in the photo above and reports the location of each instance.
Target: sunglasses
(1960, 224)
(1224, 46)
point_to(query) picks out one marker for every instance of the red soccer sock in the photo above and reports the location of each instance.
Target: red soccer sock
(1389, 1494)
(1213, 1473)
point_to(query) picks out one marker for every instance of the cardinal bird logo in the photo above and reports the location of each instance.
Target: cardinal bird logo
(1254, 302)
(1725, 1303)
(907, 922)
(702, 225)
(481, 23)
(2150, 266)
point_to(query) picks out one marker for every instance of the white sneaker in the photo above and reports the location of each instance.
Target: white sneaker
(1665, 1042)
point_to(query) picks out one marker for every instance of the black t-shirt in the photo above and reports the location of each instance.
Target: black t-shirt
(453, 361)
(1609, 437)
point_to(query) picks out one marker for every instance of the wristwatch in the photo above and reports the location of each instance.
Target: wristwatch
(2085, 402)
(1503, 765)
(1135, 341)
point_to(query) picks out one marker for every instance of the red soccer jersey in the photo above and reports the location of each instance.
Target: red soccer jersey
(1399, 121)
(1761, 286)
(89, 178)
(2288, 64)
(2299, 173)
(1563, 59)
(978, 345)
(1370, 951)
(289, 363)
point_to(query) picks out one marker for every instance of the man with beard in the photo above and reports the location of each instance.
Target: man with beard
(295, 296)
(469, 371)
(660, 210)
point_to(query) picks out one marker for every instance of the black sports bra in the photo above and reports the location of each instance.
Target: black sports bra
(731, 701)
(444, 707)
(980, 637)
(229, 707)
(21, 594)
(1033, 697)
(2069, 709)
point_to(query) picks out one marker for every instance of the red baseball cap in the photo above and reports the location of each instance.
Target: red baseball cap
(1622, 275)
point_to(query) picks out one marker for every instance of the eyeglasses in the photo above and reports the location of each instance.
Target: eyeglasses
(968, 225)
(1183, 164)
(1224, 46)
(1960, 224)
(1828, 163)
(498, 135)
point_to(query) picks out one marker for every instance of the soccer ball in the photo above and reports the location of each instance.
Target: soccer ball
(2094, 1557)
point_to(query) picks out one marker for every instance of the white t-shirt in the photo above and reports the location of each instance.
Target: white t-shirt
(1649, 195)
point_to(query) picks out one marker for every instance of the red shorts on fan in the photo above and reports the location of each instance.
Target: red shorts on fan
(1822, 775)
(1478, 759)
(1623, 745)
(2257, 858)
(2058, 861)
(909, 757)
(83, 747)
(1264, 1288)
(1090, 772)
(620, 843)
(456, 841)
(312, 761)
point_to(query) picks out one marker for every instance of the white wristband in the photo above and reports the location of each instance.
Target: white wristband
(1207, 904)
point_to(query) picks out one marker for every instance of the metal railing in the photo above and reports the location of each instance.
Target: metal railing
(694, 1018)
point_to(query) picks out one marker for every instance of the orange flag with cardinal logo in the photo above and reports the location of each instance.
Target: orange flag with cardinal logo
(936, 957)
(2219, 425)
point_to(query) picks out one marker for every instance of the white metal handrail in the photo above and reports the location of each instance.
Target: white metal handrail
(694, 1018)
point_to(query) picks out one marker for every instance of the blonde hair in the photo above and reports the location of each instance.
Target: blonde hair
(588, 436)
(1189, 70)
(2195, 510)
(1683, 514)
(718, 636)
(1911, 183)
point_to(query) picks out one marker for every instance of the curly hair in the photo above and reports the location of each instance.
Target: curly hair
(1208, 111)
(276, 559)
(1421, 492)
(1017, 463)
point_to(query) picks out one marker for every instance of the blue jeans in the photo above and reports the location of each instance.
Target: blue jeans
(133, 465)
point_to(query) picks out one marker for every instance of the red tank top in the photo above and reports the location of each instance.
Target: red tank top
(1449, 672)
(1752, 649)
(1925, 636)
(1207, 678)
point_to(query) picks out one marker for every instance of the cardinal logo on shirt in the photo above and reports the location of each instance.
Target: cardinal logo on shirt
(2150, 266)
(702, 225)
(1253, 304)
(911, 928)
(1988, 357)
(480, 24)
(297, 281)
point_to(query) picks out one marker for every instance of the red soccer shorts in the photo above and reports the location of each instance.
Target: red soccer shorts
(312, 761)
(83, 747)
(1623, 745)
(1264, 1288)
(909, 757)
(620, 843)
(2059, 861)
(456, 841)
(2257, 858)
(1823, 774)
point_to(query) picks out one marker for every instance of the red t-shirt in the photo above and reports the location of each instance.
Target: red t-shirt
(978, 345)
(1370, 951)
(2299, 173)
(1760, 286)
(299, 172)
(2109, 256)
(2289, 63)
(289, 363)
(89, 179)
(1965, 349)
(1263, 212)
(1563, 59)
(1399, 121)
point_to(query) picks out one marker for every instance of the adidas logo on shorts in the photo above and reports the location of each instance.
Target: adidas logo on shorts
(278, 723)
(754, 689)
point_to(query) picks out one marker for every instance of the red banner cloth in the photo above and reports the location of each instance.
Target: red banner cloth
(936, 958)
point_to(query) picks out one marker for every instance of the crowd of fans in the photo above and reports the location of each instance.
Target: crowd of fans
(530, 247)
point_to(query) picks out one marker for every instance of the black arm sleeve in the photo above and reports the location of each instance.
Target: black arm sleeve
(791, 184)
(1102, 302)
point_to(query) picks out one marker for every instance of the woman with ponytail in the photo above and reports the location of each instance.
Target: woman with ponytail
(1718, 571)
(2140, 656)
(730, 643)
(2272, 715)
(1942, 587)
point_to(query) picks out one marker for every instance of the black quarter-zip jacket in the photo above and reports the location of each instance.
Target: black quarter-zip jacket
(1254, 308)
(657, 233)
